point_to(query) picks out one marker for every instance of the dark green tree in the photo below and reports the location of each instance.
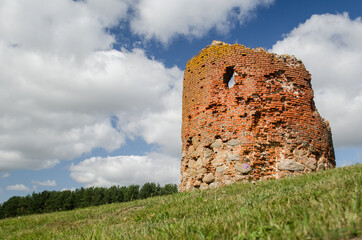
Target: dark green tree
(50, 201)
(98, 196)
(10, 207)
(69, 202)
(169, 189)
(148, 190)
(132, 192)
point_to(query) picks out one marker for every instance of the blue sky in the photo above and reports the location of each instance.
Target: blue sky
(91, 90)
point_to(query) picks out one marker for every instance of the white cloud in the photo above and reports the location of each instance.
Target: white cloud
(165, 19)
(61, 84)
(330, 46)
(5, 175)
(162, 127)
(55, 110)
(68, 189)
(48, 183)
(126, 170)
(18, 187)
(64, 27)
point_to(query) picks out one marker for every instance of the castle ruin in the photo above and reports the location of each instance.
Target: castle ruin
(248, 115)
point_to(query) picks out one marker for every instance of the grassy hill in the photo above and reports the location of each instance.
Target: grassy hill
(324, 205)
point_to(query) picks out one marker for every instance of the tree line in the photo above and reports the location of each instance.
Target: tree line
(51, 201)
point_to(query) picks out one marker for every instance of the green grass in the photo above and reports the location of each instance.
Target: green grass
(324, 205)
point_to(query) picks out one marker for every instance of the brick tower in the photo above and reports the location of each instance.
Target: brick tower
(247, 115)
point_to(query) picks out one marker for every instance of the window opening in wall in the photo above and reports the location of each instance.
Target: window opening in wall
(229, 76)
(232, 81)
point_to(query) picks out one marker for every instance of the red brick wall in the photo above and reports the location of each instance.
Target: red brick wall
(265, 126)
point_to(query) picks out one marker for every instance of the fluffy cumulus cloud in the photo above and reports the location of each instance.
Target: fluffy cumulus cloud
(62, 84)
(330, 46)
(164, 19)
(47, 183)
(97, 171)
(64, 27)
(18, 187)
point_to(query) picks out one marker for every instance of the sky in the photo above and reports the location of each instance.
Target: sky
(90, 91)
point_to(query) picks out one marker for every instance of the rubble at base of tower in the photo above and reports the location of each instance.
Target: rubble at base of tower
(264, 126)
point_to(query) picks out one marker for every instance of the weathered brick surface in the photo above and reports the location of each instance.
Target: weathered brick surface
(265, 126)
